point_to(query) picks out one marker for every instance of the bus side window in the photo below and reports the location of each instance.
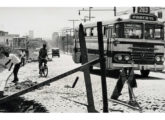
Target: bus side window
(85, 34)
(88, 32)
(107, 32)
(104, 30)
(91, 33)
(95, 31)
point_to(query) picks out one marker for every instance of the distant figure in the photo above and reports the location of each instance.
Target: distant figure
(12, 60)
(23, 56)
(130, 33)
(42, 57)
(147, 34)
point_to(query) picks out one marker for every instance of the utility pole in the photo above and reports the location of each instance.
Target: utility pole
(68, 31)
(90, 10)
(114, 11)
(73, 23)
(90, 13)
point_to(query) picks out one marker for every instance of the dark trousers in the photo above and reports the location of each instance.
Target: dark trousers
(23, 61)
(15, 71)
(41, 61)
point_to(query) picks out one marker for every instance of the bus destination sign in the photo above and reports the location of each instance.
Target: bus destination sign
(145, 10)
(143, 17)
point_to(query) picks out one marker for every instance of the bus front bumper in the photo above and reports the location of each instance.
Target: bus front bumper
(154, 67)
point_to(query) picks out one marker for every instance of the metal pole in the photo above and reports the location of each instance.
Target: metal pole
(90, 13)
(114, 11)
(67, 41)
(70, 40)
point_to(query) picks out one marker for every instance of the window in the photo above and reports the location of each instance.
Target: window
(153, 31)
(91, 32)
(129, 30)
(95, 31)
(119, 30)
(88, 32)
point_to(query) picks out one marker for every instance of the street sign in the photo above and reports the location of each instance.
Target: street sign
(139, 16)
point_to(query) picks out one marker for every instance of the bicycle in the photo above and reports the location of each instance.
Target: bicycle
(44, 70)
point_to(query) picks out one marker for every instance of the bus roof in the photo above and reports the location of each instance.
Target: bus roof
(121, 19)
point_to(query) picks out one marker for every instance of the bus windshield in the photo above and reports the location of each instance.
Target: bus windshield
(129, 30)
(153, 31)
(135, 31)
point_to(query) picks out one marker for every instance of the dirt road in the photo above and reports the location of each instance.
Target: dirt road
(57, 97)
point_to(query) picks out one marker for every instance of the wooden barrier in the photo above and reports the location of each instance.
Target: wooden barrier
(131, 81)
(75, 82)
(102, 66)
(84, 59)
(119, 85)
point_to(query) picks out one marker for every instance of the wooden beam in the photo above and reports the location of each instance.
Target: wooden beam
(125, 104)
(102, 66)
(84, 58)
(7, 98)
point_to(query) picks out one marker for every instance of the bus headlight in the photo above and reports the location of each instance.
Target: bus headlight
(157, 58)
(126, 57)
(162, 59)
(119, 57)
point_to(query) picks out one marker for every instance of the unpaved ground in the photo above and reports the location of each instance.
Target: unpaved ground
(57, 97)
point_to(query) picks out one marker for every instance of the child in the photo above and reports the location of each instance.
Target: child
(23, 57)
(12, 59)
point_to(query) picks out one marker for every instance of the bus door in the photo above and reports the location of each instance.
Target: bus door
(109, 32)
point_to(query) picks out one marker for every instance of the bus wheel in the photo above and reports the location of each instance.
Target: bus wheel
(145, 73)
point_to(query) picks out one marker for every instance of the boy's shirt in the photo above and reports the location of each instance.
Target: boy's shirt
(13, 60)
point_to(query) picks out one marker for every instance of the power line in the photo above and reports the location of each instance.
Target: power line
(90, 9)
(73, 20)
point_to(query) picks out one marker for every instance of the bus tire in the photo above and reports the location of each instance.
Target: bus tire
(145, 73)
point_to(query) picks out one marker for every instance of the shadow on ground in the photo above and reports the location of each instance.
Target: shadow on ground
(20, 105)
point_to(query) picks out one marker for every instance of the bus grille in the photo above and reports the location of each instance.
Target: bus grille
(143, 54)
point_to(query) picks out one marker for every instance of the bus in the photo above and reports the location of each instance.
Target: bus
(136, 41)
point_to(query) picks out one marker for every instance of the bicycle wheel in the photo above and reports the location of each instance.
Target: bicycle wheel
(45, 71)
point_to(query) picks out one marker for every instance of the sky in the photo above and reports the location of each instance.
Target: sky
(46, 20)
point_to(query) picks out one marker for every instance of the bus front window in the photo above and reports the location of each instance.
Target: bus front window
(129, 30)
(153, 31)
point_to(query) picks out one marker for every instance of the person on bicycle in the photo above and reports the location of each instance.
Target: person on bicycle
(42, 57)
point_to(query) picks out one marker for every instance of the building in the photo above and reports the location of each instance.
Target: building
(31, 34)
(6, 38)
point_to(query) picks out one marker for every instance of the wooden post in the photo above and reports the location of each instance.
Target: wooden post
(102, 66)
(119, 85)
(74, 84)
(84, 59)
